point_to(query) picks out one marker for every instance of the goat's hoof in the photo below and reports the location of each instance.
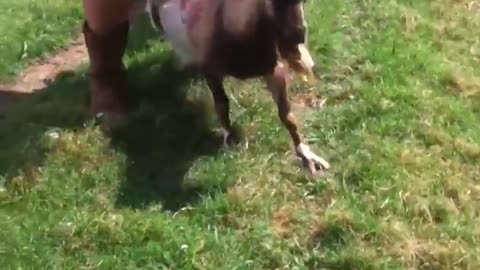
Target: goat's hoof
(108, 122)
(310, 160)
(230, 138)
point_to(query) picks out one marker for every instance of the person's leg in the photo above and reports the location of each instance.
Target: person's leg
(106, 33)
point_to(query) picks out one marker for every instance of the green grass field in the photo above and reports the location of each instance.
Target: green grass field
(400, 127)
(34, 28)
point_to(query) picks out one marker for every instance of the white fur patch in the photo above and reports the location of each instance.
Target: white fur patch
(305, 56)
(175, 30)
(305, 24)
(302, 10)
(226, 134)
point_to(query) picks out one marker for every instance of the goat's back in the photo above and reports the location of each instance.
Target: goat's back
(233, 37)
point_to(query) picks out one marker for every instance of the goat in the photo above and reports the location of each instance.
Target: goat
(243, 39)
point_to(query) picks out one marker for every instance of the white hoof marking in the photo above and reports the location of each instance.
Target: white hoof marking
(304, 151)
(226, 134)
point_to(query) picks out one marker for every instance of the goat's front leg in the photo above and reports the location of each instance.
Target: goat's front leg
(222, 108)
(277, 83)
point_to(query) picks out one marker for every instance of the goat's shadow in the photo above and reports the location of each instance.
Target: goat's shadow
(166, 133)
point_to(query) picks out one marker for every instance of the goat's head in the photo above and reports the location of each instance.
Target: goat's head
(291, 31)
(290, 20)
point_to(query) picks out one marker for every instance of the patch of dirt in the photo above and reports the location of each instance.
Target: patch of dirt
(309, 100)
(283, 221)
(39, 75)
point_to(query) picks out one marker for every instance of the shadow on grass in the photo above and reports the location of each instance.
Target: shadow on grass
(166, 133)
(27, 118)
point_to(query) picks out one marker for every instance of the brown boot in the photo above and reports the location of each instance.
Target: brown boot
(108, 78)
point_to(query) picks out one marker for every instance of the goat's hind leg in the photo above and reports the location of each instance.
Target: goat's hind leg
(277, 83)
(222, 108)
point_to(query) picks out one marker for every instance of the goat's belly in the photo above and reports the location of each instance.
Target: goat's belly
(176, 30)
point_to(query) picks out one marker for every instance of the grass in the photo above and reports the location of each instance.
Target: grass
(400, 127)
(32, 29)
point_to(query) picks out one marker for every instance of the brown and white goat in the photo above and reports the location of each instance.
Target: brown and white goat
(243, 39)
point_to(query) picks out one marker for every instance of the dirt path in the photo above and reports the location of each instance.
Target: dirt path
(39, 75)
